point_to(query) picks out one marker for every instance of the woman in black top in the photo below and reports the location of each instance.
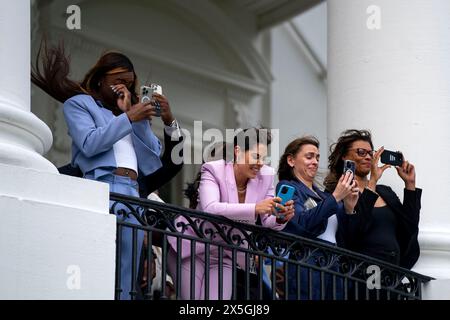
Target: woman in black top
(383, 227)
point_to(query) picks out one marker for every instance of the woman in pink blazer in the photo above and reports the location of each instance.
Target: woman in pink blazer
(241, 190)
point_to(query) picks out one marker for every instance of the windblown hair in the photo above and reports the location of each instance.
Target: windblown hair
(285, 172)
(339, 150)
(52, 69)
(191, 191)
(217, 152)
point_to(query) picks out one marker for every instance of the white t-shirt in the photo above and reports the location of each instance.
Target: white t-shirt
(125, 154)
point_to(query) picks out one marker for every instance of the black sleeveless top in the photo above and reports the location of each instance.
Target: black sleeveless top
(380, 241)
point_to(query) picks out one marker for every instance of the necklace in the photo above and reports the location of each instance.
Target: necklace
(242, 190)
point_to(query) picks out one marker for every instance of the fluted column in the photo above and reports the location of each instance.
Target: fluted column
(23, 137)
(389, 63)
(57, 238)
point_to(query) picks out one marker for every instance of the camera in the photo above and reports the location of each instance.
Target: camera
(146, 96)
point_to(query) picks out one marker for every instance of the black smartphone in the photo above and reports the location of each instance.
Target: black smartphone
(349, 165)
(391, 157)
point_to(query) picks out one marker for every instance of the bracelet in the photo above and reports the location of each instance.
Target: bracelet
(173, 124)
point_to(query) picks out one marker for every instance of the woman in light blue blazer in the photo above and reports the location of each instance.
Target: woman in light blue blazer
(112, 138)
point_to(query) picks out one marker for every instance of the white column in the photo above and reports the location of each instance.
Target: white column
(57, 238)
(391, 74)
(23, 137)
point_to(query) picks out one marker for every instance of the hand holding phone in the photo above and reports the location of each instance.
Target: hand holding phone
(408, 174)
(344, 185)
(285, 193)
(405, 170)
(147, 93)
(349, 165)
(392, 158)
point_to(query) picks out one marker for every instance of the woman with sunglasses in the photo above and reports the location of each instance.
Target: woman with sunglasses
(383, 227)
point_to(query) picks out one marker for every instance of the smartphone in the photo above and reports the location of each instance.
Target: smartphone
(286, 193)
(147, 93)
(391, 157)
(349, 165)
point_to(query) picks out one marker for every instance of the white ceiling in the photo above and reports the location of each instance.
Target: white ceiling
(313, 26)
(271, 12)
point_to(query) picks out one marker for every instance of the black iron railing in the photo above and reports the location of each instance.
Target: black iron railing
(276, 265)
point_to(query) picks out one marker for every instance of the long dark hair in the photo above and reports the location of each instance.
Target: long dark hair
(285, 172)
(216, 152)
(245, 139)
(52, 68)
(339, 150)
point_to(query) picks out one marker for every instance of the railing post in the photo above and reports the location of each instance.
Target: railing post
(133, 292)
(207, 271)
(260, 277)
(178, 276)
(118, 262)
(149, 263)
(274, 290)
(192, 275)
(233, 275)
(220, 275)
(164, 267)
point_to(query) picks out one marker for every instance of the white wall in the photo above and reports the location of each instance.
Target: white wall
(395, 81)
(298, 95)
(57, 238)
(436, 290)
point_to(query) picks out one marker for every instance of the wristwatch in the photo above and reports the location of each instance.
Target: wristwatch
(173, 127)
(173, 124)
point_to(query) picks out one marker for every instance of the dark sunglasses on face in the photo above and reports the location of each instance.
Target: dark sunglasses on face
(363, 152)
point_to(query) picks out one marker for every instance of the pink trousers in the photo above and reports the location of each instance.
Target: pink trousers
(200, 276)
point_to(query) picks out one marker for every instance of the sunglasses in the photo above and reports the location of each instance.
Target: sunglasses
(364, 152)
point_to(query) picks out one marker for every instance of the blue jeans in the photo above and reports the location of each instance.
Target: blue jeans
(125, 186)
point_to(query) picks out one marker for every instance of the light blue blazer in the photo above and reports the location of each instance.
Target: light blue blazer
(94, 130)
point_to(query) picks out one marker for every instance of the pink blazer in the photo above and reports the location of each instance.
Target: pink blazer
(218, 195)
